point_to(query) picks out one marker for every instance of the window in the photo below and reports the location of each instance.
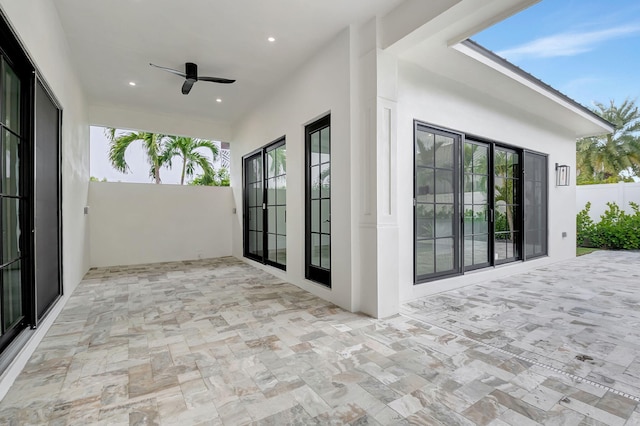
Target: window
(318, 201)
(468, 204)
(265, 204)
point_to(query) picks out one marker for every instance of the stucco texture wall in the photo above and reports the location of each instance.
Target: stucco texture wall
(134, 223)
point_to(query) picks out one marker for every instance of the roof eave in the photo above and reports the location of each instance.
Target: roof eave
(500, 64)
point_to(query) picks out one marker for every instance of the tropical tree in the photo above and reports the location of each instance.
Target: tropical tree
(603, 158)
(153, 144)
(187, 149)
(220, 178)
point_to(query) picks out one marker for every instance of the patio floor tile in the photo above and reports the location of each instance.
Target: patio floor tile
(219, 342)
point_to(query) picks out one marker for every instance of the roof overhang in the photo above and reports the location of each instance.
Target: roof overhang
(442, 46)
(592, 124)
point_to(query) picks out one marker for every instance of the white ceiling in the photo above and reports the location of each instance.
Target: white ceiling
(112, 43)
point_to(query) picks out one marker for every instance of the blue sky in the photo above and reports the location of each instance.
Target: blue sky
(587, 49)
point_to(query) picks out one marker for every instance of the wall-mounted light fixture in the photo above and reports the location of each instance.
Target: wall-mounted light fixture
(562, 175)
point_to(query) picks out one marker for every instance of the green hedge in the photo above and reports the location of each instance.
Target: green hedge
(616, 229)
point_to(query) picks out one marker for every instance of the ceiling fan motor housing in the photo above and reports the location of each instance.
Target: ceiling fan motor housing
(191, 70)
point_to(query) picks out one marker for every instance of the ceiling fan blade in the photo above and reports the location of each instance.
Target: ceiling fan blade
(186, 87)
(216, 80)
(176, 72)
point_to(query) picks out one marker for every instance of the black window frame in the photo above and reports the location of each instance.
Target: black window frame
(314, 273)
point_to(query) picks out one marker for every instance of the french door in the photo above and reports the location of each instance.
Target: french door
(265, 205)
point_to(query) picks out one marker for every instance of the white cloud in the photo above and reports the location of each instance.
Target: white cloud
(567, 44)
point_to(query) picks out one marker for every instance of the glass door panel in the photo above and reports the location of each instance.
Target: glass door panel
(11, 205)
(436, 212)
(318, 193)
(506, 205)
(476, 205)
(535, 205)
(253, 208)
(276, 204)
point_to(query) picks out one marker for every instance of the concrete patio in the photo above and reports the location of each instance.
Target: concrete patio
(220, 342)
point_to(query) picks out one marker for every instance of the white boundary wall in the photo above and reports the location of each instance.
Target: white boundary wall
(134, 223)
(599, 195)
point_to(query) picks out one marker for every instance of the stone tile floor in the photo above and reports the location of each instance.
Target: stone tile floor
(220, 342)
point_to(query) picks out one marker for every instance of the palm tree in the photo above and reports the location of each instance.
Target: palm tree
(603, 157)
(187, 149)
(152, 142)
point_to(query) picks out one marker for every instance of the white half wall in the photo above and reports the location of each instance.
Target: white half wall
(599, 195)
(134, 223)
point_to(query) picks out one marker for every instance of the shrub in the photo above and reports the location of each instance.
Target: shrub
(585, 227)
(616, 229)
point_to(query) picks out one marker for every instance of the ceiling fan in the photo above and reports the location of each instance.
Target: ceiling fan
(190, 75)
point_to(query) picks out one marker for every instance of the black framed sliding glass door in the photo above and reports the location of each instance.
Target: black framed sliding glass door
(318, 201)
(436, 203)
(265, 205)
(475, 206)
(30, 195)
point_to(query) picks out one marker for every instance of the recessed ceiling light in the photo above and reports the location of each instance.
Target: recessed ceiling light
(218, 100)
(132, 83)
(271, 39)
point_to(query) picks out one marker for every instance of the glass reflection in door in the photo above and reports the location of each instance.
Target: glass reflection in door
(253, 207)
(506, 165)
(318, 203)
(436, 208)
(276, 203)
(476, 205)
(12, 202)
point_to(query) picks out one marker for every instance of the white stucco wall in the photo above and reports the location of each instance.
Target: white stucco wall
(319, 87)
(599, 195)
(134, 223)
(40, 32)
(436, 100)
